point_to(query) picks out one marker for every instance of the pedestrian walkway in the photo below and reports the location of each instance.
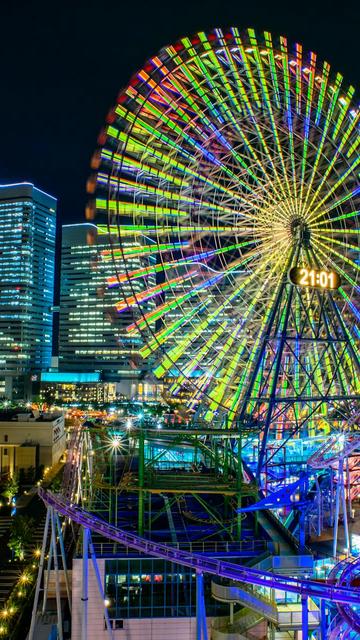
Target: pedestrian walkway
(8, 578)
(5, 522)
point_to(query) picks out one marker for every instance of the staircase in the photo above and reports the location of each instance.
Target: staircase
(257, 607)
(249, 596)
(243, 622)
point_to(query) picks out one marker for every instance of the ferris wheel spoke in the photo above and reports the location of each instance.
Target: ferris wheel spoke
(241, 386)
(143, 230)
(226, 114)
(126, 186)
(178, 350)
(217, 394)
(311, 71)
(346, 245)
(141, 250)
(343, 216)
(350, 171)
(152, 292)
(327, 123)
(177, 301)
(167, 162)
(199, 259)
(341, 232)
(204, 350)
(325, 253)
(227, 153)
(231, 369)
(172, 127)
(247, 105)
(336, 155)
(269, 106)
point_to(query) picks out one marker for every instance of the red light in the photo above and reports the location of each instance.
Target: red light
(111, 116)
(133, 81)
(102, 137)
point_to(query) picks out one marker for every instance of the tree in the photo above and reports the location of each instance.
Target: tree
(21, 534)
(11, 487)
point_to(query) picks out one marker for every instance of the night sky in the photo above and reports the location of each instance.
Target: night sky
(63, 64)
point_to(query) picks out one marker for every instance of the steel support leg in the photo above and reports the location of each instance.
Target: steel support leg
(304, 617)
(201, 628)
(39, 576)
(100, 586)
(337, 506)
(47, 578)
(63, 558)
(323, 621)
(346, 523)
(231, 613)
(85, 584)
(57, 576)
(141, 514)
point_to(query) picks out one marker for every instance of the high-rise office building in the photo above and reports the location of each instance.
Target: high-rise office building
(92, 335)
(27, 264)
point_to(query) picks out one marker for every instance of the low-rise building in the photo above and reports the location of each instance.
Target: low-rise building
(67, 387)
(30, 440)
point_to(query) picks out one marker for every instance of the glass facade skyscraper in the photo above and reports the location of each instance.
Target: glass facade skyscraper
(92, 335)
(27, 264)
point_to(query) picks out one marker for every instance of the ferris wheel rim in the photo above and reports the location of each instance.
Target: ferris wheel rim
(128, 132)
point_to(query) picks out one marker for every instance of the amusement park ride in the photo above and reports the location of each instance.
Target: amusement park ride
(229, 171)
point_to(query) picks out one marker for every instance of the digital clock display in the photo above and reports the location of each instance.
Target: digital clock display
(306, 277)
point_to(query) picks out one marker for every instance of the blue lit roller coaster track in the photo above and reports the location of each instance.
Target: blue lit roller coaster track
(202, 564)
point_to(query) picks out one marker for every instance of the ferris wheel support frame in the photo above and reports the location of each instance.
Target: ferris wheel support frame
(281, 340)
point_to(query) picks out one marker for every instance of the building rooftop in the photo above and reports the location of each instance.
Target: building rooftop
(20, 415)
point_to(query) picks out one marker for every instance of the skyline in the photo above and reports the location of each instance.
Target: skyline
(81, 58)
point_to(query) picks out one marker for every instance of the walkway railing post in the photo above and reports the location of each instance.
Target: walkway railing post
(85, 583)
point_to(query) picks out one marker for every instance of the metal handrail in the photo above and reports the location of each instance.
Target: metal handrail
(200, 564)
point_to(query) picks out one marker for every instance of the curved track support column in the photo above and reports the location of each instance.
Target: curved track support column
(100, 586)
(323, 620)
(39, 575)
(337, 504)
(57, 577)
(304, 617)
(201, 628)
(85, 584)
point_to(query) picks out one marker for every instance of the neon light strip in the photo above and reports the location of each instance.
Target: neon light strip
(152, 292)
(151, 270)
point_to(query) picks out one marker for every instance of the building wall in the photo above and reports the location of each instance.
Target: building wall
(134, 629)
(76, 392)
(27, 263)
(49, 435)
(92, 335)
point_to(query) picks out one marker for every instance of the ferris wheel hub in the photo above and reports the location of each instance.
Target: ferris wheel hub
(300, 231)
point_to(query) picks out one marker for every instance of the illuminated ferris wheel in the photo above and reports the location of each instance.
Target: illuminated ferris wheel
(229, 170)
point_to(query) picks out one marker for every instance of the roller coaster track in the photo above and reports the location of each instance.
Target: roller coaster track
(199, 563)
